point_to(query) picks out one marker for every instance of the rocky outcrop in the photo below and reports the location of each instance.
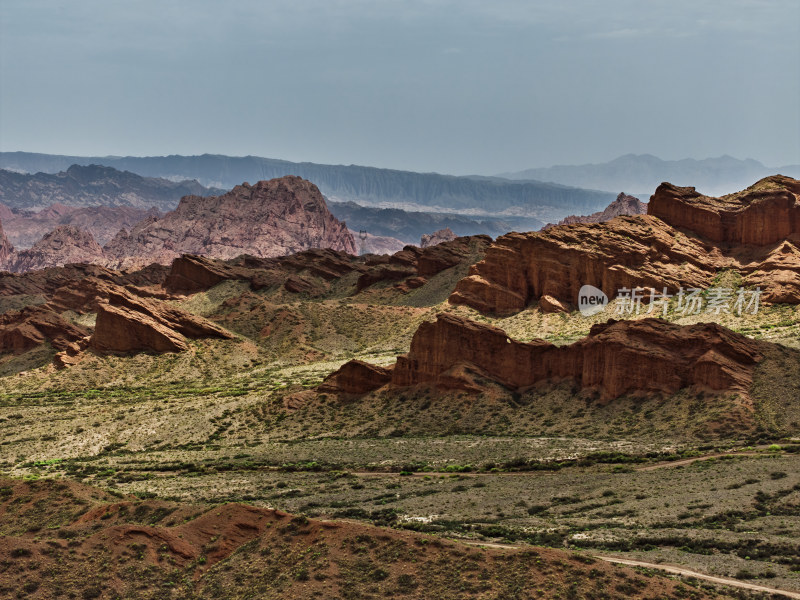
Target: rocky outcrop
(413, 262)
(102, 222)
(624, 205)
(548, 304)
(765, 213)
(6, 249)
(298, 273)
(126, 323)
(311, 272)
(356, 377)
(641, 251)
(437, 237)
(189, 273)
(63, 245)
(270, 218)
(122, 330)
(82, 296)
(616, 358)
(625, 252)
(47, 282)
(34, 325)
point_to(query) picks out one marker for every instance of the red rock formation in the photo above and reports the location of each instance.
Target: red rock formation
(47, 281)
(63, 245)
(425, 263)
(617, 358)
(270, 218)
(190, 274)
(643, 251)
(383, 273)
(301, 272)
(120, 329)
(437, 237)
(356, 377)
(765, 213)
(127, 323)
(34, 325)
(624, 205)
(548, 304)
(625, 252)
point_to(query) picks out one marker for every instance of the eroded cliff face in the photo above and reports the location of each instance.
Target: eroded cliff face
(616, 358)
(270, 218)
(652, 251)
(765, 213)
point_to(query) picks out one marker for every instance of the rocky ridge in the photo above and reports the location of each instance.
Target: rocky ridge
(656, 250)
(765, 213)
(617, 358)
(270, 218)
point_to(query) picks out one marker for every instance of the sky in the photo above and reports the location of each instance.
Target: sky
(460, 87)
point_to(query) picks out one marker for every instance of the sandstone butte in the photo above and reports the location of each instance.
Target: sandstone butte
(271, 218)
(683, 241)
(616, 358)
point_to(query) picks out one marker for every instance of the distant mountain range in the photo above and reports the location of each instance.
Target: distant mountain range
(410, 226)
(365, 185)
(640, 174)
(94, 185)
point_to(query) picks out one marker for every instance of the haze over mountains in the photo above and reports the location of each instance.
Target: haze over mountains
(93, 185)
(640, 174)
(363, 185)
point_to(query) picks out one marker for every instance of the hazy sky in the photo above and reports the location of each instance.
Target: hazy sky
(451, 86)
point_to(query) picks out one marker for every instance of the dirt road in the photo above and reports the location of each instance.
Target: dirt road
(689, 573)
(673, 569)
(688, 461)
